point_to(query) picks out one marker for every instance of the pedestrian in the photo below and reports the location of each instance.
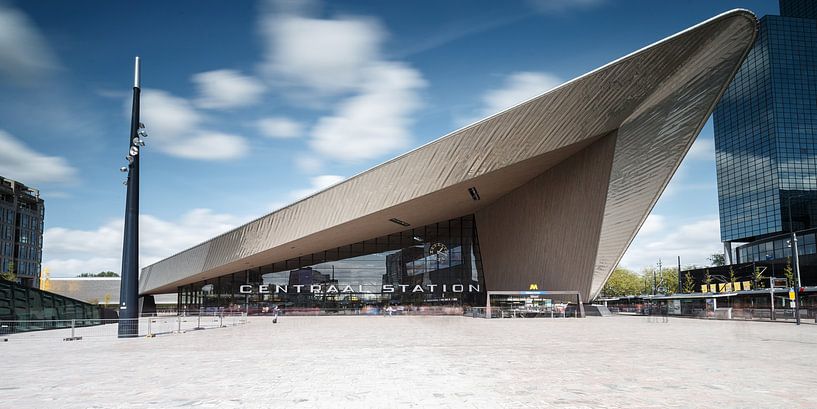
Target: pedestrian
(275, 311)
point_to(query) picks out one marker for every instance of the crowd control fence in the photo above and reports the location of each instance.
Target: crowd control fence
(89, 329)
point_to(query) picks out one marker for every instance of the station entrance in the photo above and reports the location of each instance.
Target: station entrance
(534, 304)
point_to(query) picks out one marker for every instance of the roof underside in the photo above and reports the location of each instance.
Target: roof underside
(657, 98)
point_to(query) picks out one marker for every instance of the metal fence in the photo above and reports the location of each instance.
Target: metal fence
(80, 329)
(807, 315)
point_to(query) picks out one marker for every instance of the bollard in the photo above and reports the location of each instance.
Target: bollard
(149, 329)
(73, 328)
(179, 319)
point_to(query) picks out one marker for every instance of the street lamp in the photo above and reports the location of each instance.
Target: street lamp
(129, 287)
(796, 258)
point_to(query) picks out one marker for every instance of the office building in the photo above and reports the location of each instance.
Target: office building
(22, 213)
(766, 139)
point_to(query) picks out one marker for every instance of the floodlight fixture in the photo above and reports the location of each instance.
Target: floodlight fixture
(134, 151)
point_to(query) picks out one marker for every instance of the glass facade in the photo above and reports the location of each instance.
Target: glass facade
(438, 264)
(799, 8)
(766, 133)
(20, 303)
(21, 230)
(777, 248)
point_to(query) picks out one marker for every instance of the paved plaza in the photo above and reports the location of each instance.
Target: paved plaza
(424, 362)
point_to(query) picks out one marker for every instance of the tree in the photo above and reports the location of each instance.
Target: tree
(100, 274)
(665, 279)
(689, 283)
(732, 278)
(707, 279)
(621, 283)
(9, 274)
(669, 279)
(717, 260)
(757, 277)
(788, 272)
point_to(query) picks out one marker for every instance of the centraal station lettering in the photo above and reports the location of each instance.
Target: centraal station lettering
(385, 288)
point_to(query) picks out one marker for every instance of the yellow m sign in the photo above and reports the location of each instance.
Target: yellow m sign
(534, 287)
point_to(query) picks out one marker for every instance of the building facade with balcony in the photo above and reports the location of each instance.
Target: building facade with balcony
(22, 213)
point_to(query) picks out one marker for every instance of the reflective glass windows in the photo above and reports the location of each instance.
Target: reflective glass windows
(437, 264)
(766, 133)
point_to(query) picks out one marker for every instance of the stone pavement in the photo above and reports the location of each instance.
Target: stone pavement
(424, 362)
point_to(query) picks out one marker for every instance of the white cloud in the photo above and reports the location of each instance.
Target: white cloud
(342, 56)
(209, 146)
(68, 252)
(308, 163)
(24, 54)
(655, 223)
(166, 115)
(317, 184)
(324, 55)
(376, 121)
(561, 6)
(693, 241)
(517, 88)
(279, 127)
(21, 163)
(178, 129)
(702, 149)
(227, 89)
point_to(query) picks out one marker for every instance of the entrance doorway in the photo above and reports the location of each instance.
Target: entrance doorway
(534, 304)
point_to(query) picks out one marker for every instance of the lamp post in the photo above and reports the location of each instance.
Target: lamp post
(796, 258)
(129, 287)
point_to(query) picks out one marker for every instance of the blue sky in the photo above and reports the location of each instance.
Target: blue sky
(250, 105)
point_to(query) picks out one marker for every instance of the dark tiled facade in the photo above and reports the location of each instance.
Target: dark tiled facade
(21, 231)
(766, 131)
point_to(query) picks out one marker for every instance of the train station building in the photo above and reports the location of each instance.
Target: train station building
(545, 195)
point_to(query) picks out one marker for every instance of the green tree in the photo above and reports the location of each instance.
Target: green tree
(717, 259)
(100, 274)
(689, 283)
(707, 279)
(665, 279)
(757, 278)
(621, 283)
(669, 278)
(788, 272)
(9, 274)
(732, 278)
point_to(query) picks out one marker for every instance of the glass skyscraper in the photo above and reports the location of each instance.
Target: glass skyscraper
(766, 131)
